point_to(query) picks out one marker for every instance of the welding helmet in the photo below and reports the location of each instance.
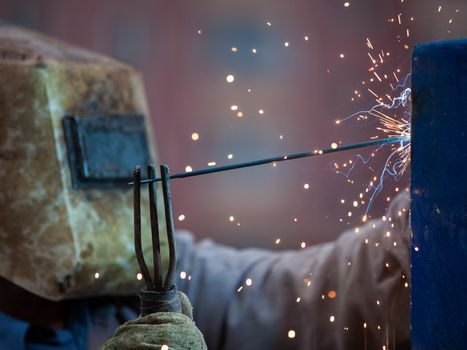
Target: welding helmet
(73, 125)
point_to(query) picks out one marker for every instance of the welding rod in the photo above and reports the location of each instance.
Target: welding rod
(377, 142)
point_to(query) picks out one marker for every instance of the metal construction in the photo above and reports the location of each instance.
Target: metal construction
(439, 196)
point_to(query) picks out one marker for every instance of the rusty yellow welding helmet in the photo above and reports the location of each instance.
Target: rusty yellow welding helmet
(73, 124)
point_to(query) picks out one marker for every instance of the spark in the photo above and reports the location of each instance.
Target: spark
(231, 218)
(249, 282)
(182, 275)
(373, 93)
(291, 334)
(139, 276)
(306, 186)
(391, 125)
(240, 114)
(230, 78)
(212, 164)
(96, 275)
(332, 319)
(195, 136)
(188, 169)
(233, 107)
(303, 245)
(234, 49)
(181, 217)
(230, 156)
(346, 4)
(261, 111)
(286, 44)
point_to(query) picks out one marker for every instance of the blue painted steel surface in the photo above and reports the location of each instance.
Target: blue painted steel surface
(439, 196)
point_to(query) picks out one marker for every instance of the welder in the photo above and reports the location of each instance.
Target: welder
(72, 123)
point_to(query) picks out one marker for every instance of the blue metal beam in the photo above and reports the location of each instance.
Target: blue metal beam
(439, 196)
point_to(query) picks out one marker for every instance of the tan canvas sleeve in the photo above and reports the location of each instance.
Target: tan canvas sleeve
(349, 294)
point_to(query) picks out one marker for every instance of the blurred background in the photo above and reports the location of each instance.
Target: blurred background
(298, 66)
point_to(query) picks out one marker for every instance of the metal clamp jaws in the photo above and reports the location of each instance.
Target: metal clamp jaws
(159, 295)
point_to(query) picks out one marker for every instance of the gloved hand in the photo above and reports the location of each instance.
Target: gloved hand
(176, 331)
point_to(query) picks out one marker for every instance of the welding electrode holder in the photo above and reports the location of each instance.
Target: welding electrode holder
(158, 295)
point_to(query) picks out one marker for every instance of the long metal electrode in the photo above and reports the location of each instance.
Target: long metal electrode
(318, 152)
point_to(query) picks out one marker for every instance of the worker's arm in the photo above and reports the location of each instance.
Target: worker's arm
(348, 294)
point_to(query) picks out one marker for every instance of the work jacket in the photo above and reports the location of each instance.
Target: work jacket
(352, 293)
